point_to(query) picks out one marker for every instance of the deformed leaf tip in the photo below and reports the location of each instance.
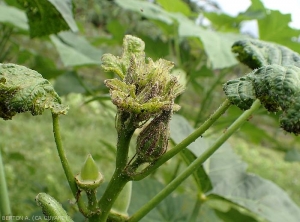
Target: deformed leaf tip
(23, 89)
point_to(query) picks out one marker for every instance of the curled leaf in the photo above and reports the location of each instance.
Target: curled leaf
(23, 89)
(146, 87)
(119, 65)
(276, 82)
(240, 92)
(278, 89)
(256, 53)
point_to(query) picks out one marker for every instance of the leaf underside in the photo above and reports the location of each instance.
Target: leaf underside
(23, 89)
(276, 82)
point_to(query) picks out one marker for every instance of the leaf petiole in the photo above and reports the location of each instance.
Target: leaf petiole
(65, 164)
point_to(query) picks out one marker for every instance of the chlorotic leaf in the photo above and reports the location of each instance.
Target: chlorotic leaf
(23, 89)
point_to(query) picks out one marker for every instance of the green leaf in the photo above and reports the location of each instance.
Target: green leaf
(23, 89)
(117, 30)
(46, 66)
(224, 22)
(230, 180)
(65, 7)
(207, 214)
(68, 83)
(240, 92)
(176, 6)
(255, 11)
(229, 211)
(257, 53)
(155, 48)
(179, 129)
(13, 16)
(43, 17)
(76, 53)
(217, 45)
(172, 208)
(275, 27)
(81, 44)
(277, 88)
(146, 9)
(292, 155)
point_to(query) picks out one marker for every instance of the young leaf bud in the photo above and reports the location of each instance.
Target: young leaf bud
(89, 177)
(152, 142)
(146, 88)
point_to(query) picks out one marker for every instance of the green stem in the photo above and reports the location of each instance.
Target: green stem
(92, 200)
(119, 179)
(196, 210)
(183, 144)
(113, 190)
(65, 164)
(191, 168)
(4, 199)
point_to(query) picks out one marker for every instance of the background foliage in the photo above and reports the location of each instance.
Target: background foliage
(69, 56)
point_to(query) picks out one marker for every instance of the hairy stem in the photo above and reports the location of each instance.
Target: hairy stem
(65, 164)
(119, 179)
(92, 200)
(4, 199)
(183, 144)
(191, 168)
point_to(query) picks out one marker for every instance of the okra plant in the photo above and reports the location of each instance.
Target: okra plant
(144, 93)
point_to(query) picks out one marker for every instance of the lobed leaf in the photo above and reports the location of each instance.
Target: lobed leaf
(23, 89)
(45, 17)
(216, 44)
